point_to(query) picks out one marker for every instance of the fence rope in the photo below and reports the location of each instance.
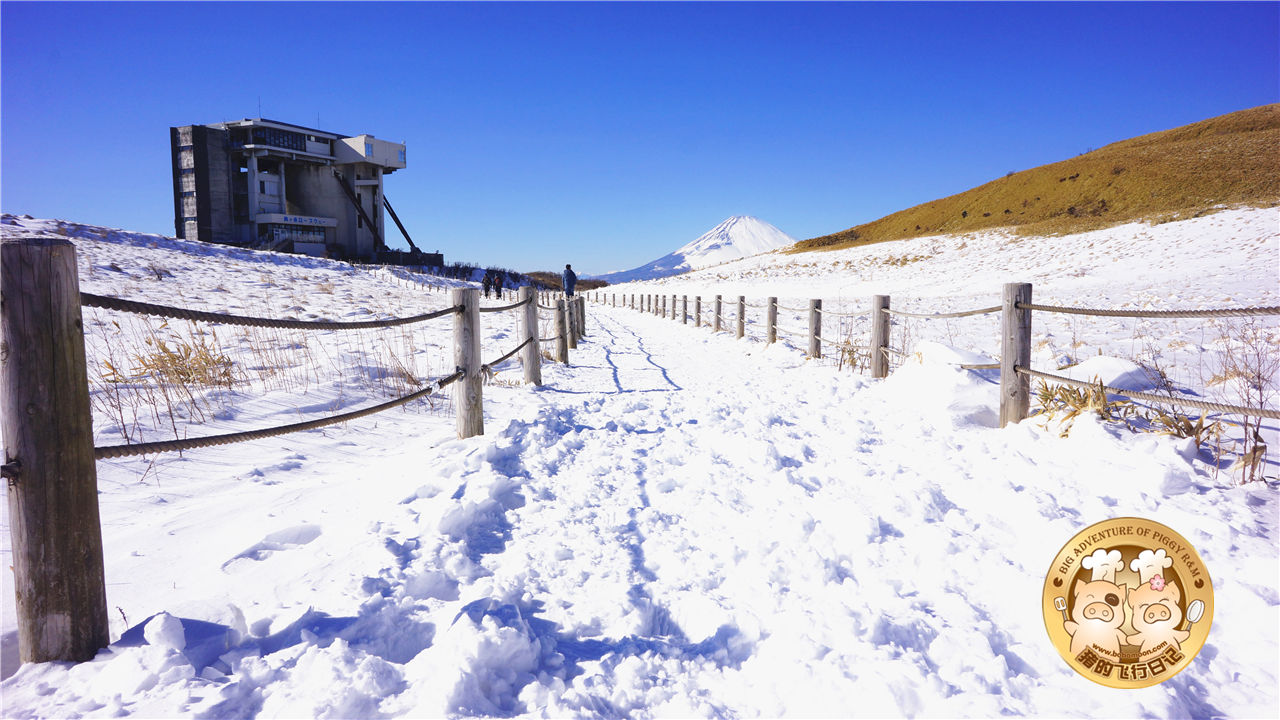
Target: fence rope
(1151, 397)
(791, 309)
(939, 316)
(122, 451)
(488, 367)
(545, 307)
(549, 339)
(841, 314)
(842, 344)
(141, 308)
(503, 308)
(1225, 312)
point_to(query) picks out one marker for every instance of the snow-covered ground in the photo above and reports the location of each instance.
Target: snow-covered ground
(677, 524)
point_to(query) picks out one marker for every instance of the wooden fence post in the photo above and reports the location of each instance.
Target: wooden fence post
(562, 334)
(1015, 352)
(684, 312)
(673, 306)
(570, 322)
(49, 464)
(879, 336)
(664, 307)
(697, 311)
(771, 321)
(742, 321)
(717, 320)
(582, 317)
(532, 353)
(467, 393)
(815, 328)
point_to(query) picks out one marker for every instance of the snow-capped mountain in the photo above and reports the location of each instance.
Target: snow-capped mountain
(739, 236)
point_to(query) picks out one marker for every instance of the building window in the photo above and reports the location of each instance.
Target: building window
(279, 138)
(401, 156)
(188, 194)
(188, 171)
(368, 149)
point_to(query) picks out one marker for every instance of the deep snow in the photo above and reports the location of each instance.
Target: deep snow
(734, 238)
(677, 523)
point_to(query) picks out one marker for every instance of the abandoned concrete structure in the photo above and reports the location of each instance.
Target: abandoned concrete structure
(267, 184)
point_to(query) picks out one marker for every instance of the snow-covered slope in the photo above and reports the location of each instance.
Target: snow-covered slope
(737, 237)
(679, 523)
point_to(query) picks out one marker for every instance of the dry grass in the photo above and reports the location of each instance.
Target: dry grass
(1185, 172)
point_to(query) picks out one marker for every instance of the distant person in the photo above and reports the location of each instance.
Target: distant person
(487, 283)
(570, 279)
(497, 284)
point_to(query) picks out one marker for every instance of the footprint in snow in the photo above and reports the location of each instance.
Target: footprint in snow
(280, 540)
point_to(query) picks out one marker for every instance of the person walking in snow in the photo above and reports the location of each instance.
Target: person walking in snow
(570, 279)
(487, 283)
(497, 284)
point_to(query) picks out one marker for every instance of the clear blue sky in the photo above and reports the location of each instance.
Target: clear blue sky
(609, 134)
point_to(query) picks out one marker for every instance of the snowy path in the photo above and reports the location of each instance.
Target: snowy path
(679, 524)
(701, 526)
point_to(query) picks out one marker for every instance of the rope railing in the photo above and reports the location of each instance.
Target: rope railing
(488, 367)
(141, 308)
(504, 308)
(546, 307)
(791, 309)
(1151, 397)
(1220, 313)
(121, 451)
(940, 316)
(842, 344)
(833, 313)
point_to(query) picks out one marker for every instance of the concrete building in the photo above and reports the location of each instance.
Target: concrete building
(267, 184)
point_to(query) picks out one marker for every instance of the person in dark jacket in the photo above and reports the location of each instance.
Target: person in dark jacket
(497, 284)
(486, 283)
(570, 279)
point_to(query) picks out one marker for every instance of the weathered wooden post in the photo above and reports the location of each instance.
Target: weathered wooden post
(54, 523)
(531, 356)
(697, 311)
(467, 392)
(570, 322)
(562, 334)
(771, 321)
(717, 320)
(879, 336)
(664, 307)
(742, 312)
(582, 317)
(815, 328)
(684, 312)
(1015, 352)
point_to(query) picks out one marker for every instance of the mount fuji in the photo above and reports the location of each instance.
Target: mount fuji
(737, 237)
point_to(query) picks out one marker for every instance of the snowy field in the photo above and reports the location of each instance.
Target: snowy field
(677, 524)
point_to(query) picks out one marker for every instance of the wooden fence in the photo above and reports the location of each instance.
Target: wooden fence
(1015, 338)
(47, 426)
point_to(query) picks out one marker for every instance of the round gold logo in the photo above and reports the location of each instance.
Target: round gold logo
(1128, 603)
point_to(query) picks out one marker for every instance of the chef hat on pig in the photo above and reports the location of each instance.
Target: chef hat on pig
(1149, 564)
(1104, 564)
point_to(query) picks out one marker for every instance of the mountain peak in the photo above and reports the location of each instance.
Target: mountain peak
(735, 237)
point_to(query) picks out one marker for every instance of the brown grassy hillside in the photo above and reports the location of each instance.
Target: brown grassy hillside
(1232, 159)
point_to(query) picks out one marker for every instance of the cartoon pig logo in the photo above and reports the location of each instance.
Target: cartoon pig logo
(1097, 616)
(1099, 605)
(1156, 616)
